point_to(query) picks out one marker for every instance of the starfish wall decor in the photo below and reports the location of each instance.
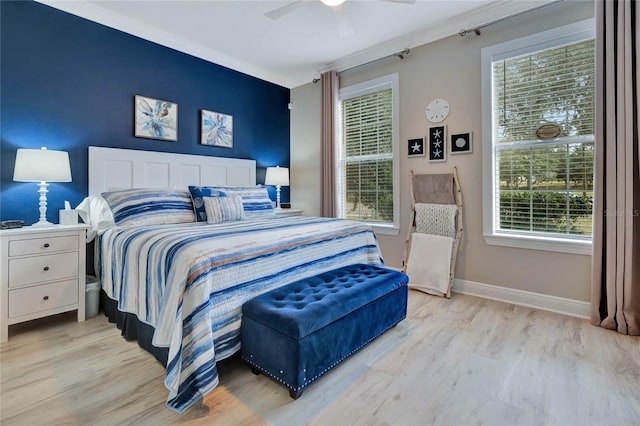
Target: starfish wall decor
(437, 143)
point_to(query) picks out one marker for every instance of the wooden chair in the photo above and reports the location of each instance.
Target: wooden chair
(436, 189)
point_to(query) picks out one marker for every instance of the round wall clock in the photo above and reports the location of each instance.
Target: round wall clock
(437, 110)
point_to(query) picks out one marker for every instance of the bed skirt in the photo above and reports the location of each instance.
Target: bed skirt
(132, 328)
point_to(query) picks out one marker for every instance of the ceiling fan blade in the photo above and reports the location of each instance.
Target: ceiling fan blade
(400, 1)
(345, 25)
(284, 10)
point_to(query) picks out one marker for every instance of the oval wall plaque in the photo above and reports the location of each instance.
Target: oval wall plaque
(548, 131)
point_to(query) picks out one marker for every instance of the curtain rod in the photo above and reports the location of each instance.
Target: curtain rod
(400, 55)
(463, 32)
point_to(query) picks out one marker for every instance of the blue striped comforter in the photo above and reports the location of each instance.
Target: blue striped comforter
(190, 280)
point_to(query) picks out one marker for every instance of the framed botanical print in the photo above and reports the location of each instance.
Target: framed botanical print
(216, 129)
(156, 119)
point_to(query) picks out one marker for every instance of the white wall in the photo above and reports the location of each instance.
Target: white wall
(449, 69)
(304, 167)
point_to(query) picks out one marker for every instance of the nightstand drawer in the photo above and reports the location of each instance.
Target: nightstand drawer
(28, 270)
(42, 245)
(44, 297)
(42, 273)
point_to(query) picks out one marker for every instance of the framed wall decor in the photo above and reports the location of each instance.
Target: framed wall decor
(437, 143)
(155, 119)
(415, 147)
(461, 143)
(216, 129)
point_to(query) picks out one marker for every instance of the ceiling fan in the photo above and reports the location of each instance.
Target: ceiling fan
(345, 25)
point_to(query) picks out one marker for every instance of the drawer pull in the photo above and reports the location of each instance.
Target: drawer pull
(45, 298)
(46, 245)
(46, 268)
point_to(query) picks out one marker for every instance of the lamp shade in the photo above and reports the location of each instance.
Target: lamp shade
(42, 165)
(277, 176)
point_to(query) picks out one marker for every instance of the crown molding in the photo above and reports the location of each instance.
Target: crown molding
(478, 17)
(489, 13)
(164, 38)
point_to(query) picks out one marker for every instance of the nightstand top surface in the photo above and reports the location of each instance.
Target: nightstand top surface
(25, 230)
(288, 212)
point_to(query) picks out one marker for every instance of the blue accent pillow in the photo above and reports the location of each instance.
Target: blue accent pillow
(197, 194)
(136, 207)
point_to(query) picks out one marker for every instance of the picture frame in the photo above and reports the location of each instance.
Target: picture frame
(155, 119)
(216, 129)
(437, 148)
(415, 147)
(461, 143)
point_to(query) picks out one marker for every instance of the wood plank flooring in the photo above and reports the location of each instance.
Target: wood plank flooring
(461, 361)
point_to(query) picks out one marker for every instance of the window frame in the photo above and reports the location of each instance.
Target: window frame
(566, 34)
(390, 81)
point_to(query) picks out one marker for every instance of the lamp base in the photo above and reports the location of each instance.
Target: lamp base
(42, 190)
(277, 197)
(43, 223)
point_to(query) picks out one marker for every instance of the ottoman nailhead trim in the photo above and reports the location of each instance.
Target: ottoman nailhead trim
(308, 382)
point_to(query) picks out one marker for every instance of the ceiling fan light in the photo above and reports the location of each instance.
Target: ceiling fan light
(332, 3)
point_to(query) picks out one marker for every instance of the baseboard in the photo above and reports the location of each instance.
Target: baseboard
(574, 308)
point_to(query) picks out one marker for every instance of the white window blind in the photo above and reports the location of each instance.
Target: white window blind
(366, 181)
(543, 176)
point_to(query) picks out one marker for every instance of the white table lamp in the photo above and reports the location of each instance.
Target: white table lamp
(278, 176)
(42, 165)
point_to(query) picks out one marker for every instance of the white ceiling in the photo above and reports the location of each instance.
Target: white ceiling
(297, 47)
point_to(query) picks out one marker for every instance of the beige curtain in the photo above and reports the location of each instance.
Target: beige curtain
(329, 83)
(615, 293)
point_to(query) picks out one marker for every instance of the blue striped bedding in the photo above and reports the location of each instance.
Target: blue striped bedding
(190, 280)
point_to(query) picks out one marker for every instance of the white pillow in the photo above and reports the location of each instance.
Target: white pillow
(95, 212)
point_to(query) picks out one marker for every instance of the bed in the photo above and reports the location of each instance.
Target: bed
(186, 282)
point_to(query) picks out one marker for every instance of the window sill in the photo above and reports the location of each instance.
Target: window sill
(385, 230)
(540, 243)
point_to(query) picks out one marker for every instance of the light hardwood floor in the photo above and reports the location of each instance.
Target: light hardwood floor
(451, 362)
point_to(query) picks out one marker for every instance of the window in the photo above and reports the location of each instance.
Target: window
(538, 116)
(368, 153)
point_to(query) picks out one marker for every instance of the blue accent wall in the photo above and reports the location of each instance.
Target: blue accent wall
(68, 83)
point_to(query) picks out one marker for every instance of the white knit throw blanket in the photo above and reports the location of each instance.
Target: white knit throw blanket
(436, 219)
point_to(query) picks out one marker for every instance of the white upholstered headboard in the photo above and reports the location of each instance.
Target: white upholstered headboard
(115, 168)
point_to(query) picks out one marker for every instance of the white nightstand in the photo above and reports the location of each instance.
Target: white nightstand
(42, 272)
(288, 212)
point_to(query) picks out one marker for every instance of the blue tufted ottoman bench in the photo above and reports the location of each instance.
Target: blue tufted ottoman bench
(296, 333)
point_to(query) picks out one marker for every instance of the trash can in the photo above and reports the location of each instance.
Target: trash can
(92, 297)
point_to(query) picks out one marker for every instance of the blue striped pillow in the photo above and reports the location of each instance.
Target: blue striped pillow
(197, 193)
(223, 209)
(255, 199)
(135, 207)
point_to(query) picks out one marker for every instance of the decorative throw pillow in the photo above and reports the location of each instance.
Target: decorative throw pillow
(436, 219)
(255, 199)
(197, 193)
(223, 209)
(134, 207)
(95, 212)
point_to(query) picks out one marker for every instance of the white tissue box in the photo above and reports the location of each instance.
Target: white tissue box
(68, 217)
